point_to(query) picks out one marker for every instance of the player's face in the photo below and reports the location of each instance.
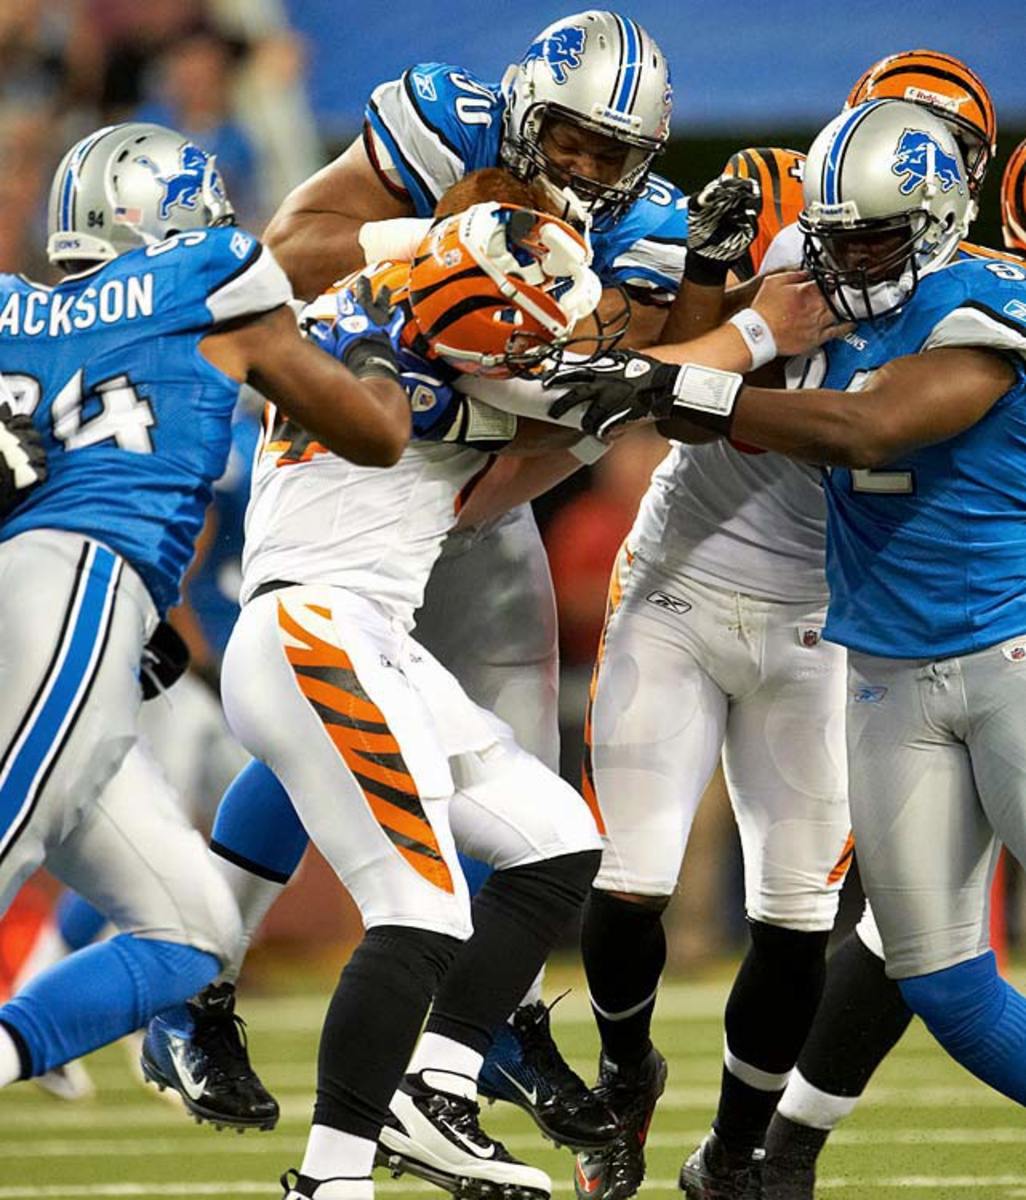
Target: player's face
(878, 254)
(577, 151)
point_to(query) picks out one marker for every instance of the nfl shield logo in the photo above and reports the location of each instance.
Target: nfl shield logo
(809, 636)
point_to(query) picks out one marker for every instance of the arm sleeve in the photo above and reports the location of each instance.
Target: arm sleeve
(243, 277)
(652, 266)
(975, 325)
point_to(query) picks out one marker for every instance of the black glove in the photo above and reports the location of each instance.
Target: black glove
(723, 220)
(164, 660)
(364, 330)
(618, 388)
(22, 458)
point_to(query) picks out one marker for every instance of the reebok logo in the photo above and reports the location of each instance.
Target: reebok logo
(672, 604)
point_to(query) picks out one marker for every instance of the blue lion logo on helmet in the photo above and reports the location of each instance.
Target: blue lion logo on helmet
(911, 159)
(561, 50)
(185, 187)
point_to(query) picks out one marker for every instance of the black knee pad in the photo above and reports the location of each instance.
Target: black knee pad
(548, 892)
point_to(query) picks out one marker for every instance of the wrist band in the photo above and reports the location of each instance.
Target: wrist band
(394, 239)
(371, 356)
(757, 335)
(706, 396)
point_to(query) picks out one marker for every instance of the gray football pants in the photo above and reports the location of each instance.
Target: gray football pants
(937, 777)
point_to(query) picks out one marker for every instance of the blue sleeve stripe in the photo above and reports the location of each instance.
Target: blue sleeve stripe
(423, 198)
(55, 708)
(423, 118)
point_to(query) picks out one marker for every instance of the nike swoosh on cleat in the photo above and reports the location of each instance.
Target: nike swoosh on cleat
(469, 1145)
(530, 1096)
(193, 1088)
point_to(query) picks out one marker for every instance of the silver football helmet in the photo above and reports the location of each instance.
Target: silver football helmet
(886, 202)
(602, 72)
(131, 185)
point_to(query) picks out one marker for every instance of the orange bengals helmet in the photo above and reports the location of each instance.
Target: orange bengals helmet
(951, 91)
(1013, 199)
(779, 174)
(497, 288)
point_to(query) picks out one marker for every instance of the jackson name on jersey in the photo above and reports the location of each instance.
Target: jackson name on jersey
(135, 421)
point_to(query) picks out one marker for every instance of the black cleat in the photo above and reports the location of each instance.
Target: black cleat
(714, 1173)
(781, 1182)
(199, 1050)
(435, 1134)
(617, 1171)
(524, 1066)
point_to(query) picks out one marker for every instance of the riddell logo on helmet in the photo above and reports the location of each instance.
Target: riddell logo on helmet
(918, 95)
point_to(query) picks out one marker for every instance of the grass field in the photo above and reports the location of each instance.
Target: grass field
(925, 1128)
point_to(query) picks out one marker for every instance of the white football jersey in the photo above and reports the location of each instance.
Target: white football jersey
(755, 523)
(315, 518)
(752, 522)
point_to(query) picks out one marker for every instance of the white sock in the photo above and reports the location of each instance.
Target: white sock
(10, 1062)
(331, 1152)
(437, 1053)
(807, 1105)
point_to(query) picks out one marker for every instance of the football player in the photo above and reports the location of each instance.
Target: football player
(1013, 200)
(746, 531)
(366, 725)
(588, 108)
(935, 698)
(129, 370)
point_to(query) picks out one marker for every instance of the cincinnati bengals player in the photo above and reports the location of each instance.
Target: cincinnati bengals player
(386, 759)
(1013, 200)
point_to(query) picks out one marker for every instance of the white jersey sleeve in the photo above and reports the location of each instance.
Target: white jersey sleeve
(974, 327)
(258, 287)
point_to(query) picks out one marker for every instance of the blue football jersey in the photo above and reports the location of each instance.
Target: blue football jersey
(926, 557)
(437, 123)
(136, 422)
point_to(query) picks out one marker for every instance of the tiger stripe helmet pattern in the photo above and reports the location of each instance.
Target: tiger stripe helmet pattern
(497, 288)
(779, 174)
(1013, 199)
(949, 89)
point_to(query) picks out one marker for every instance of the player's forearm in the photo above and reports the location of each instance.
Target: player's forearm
(315, 248)
(696, 310)
(512, 481)
(723, 348)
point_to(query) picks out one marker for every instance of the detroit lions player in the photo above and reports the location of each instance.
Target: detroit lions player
(920, 412)
(129, 369)
(588, 106)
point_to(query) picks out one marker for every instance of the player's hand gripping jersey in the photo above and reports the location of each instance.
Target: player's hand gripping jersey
(437, 123)
(132, 461)
(896, 589)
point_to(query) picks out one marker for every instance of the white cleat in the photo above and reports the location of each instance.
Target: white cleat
(69, 1082)
(433, 1132)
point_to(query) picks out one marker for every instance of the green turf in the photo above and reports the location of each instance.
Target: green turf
(925, 1129)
